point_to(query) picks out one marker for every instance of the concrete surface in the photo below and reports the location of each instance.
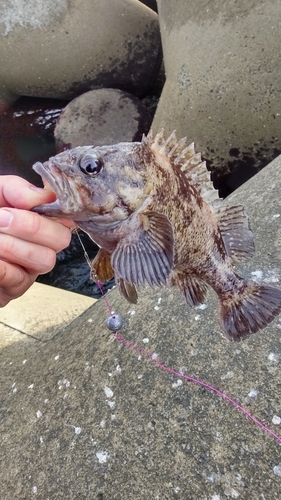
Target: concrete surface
(223, 89)
(42, 312)
(85, 418)
(62, 49)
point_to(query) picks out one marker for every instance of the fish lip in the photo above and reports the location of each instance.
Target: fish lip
(47, 175)
(68, 197)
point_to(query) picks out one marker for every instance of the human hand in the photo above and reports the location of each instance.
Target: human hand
(28, 241)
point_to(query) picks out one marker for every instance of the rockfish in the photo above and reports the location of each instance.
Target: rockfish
(151, 208)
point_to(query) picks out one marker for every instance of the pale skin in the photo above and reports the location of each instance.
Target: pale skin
(28, 241)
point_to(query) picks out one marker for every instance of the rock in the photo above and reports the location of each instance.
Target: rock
(223, 86)
(99, 117)
(62, 49)
(85, 417)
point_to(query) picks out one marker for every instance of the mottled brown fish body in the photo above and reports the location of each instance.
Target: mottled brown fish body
(153, 211)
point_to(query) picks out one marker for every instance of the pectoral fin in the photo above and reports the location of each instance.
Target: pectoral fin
(101, 269)
(146, 253)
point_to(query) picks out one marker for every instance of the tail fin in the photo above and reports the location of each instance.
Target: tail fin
(245, 313)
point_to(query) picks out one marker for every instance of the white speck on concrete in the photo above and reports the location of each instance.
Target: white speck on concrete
(182, 370)
(177, 489)
(145, 341)
(14, 389)
(273, 357)
(212, 478)
(108, 392)
(257, 274)
(215, 497)
(90, 320)
(156, 308)
(154, 356)
(118, 368)
(34, 489)
(102, 424)
(139, 358)
(276, 420)
(228, 376)
(272, 277)
(197, 317)
(277, 470)
(132, 312)
(66, 382)
(13, 385)
(57, 357)
(31, 386)
(38, 414)
(77, 430)
(109, 374)
(253, 393)
(111, 404)
(46, 400)
(140, 376)
(24, 361)
(113, 417)
(159, 300)
(219, 436)
(176, 384)
(275, 216)
(102, 456)
(201, 307)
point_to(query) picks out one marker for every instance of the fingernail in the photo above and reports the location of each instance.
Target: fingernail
(6, 218)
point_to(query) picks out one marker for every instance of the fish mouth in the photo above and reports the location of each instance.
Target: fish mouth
(65, 204)
(48, 178)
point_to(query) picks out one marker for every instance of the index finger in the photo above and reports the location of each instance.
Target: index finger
(18, 193)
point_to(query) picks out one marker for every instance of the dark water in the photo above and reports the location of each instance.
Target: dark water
(26, 135)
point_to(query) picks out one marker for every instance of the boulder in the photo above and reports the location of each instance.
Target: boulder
(99, 117)
(223, 86)
(62, 49)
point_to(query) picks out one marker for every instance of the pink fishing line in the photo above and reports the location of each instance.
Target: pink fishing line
(150, 356)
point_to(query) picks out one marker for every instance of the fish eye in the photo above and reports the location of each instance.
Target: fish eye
(90, 164)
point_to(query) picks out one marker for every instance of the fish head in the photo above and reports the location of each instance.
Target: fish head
(103, 184)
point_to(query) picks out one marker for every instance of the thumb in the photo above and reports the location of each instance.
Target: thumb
(18, 193)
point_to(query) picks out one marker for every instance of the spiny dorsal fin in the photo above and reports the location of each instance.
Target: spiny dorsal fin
(183, 155)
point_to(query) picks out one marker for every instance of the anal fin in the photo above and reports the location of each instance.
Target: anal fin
(193, 288)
